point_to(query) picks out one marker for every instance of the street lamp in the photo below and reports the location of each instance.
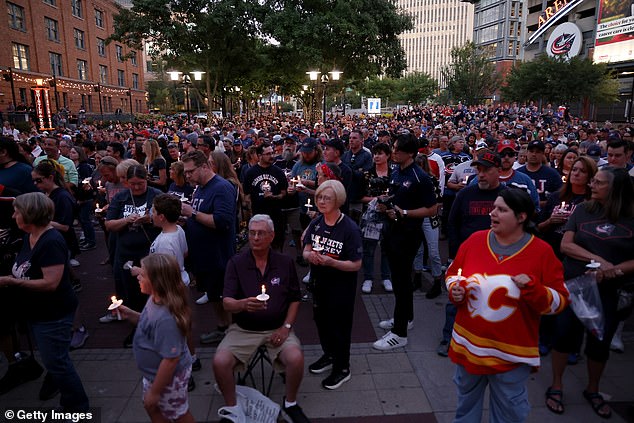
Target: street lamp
(325, 79)
(186, 81)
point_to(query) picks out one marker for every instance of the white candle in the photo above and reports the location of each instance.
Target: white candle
(460, 271)
(308, 205)
(99, 183)
(115, 305)
(263, 296)
(97, 209)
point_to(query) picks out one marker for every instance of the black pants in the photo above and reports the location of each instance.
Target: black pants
(401, 246)
(333, 310)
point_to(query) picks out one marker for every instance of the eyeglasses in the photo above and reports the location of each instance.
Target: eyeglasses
(37, 180)
(324, 198)
(189, 171)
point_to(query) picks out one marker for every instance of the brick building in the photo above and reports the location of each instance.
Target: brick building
(61, 44)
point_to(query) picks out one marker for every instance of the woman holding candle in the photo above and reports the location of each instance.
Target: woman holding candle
(41, 275)
(179, 186)
(333, 248)
(155, 164)
(601, 230)
(500, 298)
(160, 344)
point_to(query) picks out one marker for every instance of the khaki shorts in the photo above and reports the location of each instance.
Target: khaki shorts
(243, 344)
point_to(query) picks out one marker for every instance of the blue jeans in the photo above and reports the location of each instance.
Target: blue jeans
(508, 395)
(85, 220)
(369, 247)
(53, 341)
(450, 318)
(431, 243)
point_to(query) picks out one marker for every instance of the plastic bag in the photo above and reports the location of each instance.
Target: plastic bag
(257, 408)
(585, 301)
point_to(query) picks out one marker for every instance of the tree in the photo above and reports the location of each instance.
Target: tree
(470, 76)
(267, 43)
(559, 81)
(416, 88)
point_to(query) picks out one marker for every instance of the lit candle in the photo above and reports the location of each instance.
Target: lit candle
(115, 306)
(563, 179)
(308, 205)
(99, 183)
(460, 271)
(563, 205)
(466, 179)
(266, 186)
(593, 265)
(318, 248)
(86, 181)
(263, 296)
(98, 209)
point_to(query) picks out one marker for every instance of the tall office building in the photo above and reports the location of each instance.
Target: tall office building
(439, 26)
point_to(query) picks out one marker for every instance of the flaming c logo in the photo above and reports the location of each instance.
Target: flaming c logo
(563, 44)
(481, 290)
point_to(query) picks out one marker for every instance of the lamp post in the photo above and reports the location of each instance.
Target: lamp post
(325, 79)
(186, 81)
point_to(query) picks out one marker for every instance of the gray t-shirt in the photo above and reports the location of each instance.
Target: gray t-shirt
(157, 337)
(174, 244)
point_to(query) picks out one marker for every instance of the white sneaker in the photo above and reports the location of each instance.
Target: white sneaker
(203, 300)
(389, 324)
(107, 318)
(366, 288)
(389, 341)
(74, 263)
(306, 278)
(387, 285)
(617, 341)
(234, 414)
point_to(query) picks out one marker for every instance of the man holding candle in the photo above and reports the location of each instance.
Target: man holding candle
(258, 320)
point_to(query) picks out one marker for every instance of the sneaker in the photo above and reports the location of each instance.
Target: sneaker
(203, 300)
(74, 263)
(323, 364)
(233, 414)
(389, 324)
(387, 285)
(108, 317)
(191, 384)
(366, 288)
(293, 414)
(213, 337)
(306, 278)
(49, 389)
(196, 365)
(87, 246)
(443, 349)
(79, 338)
(336, 379)
(389, 341)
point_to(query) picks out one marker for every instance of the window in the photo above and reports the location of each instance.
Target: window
(99, 18)
(101, 47)
(82, 66)
(79, 39)
(76, 7)
(51, 2)
(133, 58)
(52, 30)
(21, 56)
(135, 81)
(119, 53)
(103, 74)
(16, 16)
(56, 64)
(121, 78)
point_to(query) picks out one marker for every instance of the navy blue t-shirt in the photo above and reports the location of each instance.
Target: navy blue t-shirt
(255, 183)
(546, 180)
(49, 250)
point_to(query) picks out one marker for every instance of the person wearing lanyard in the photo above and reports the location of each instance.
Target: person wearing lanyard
(411, 199)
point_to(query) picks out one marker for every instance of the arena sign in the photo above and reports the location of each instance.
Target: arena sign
(551, 15)
(565, 41)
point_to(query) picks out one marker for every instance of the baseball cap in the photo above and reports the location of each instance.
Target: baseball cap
(305, 132)
(423, 142)
(277, 138)
(572, 136)
(487, 160)
(536, 144)
(335, 143)
(438, 127)
(308, 145)
(207, 130)
(504, 144)
(594, 152)
(481, 145)
(237, 142)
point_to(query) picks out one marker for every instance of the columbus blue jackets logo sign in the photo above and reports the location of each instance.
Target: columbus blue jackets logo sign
(565, 41)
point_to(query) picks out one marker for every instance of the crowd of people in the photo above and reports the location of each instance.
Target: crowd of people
(225, 205)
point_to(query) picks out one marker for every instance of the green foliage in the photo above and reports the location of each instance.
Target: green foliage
(260, 44)
(470, 76)
(416, 88)
(559, 81)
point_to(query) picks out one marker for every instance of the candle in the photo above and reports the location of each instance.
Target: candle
(466, 179)
(318, 248)
(99, 183)
(308, 205)
(593, 265)
(86, 181)
(563, 206)
(266, 186)
(263, 296)
(563, 179)
(98, 209)
(115, 306)
(460, 271)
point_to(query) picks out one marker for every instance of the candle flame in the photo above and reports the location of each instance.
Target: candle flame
(460, 272)
(113, 299)
(263, 289)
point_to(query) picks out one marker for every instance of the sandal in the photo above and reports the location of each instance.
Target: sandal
(597, 402)
(551, 395)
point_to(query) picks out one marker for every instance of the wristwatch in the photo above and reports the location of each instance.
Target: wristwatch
(288, 326)
(404, 213)
(194, 214)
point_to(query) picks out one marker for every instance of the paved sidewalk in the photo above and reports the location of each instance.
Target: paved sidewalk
(412, 384)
